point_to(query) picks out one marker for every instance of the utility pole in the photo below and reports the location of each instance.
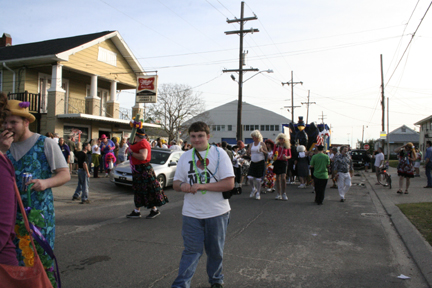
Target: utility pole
(382, 103)
(240, 70)
(388, 129)
(308, 104)
(292, 83)
(322, 117)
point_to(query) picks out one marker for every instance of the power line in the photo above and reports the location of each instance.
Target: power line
(412, 37)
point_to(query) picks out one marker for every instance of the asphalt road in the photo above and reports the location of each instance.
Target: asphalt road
(270, 243)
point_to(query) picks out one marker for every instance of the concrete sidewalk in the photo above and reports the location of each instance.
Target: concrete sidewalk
(419, 248)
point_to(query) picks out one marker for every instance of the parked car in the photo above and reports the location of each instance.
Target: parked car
(358, 157)
(163, 161)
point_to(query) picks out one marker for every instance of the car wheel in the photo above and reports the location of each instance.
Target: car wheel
(161, 180)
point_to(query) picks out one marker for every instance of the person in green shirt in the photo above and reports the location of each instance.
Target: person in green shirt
(320, 162)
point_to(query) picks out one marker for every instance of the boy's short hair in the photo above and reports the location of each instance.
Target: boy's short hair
(199, 127)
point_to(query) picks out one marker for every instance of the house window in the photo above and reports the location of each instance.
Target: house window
(229, 127)
(267, 128)
(262, 127)
(218, 127)
(276, 127)
(271, 127)
(213, 127)
(403, 129)
(247, 127)
(256, 127)
(222, 127)
(107, 56)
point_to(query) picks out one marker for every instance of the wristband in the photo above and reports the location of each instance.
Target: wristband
(182, 184)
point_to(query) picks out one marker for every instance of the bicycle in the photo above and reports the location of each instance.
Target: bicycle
(383, 177)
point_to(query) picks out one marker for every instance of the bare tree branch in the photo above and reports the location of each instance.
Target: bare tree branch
(177, 103)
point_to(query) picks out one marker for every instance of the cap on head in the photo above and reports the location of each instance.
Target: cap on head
(103, 136)
(19, 108)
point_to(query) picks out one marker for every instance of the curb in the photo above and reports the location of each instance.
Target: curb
(417, 246)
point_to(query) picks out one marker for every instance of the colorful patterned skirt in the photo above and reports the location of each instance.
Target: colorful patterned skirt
(405, 168)
(148, 192)
(269, 178)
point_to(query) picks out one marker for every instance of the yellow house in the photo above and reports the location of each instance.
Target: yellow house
(72, 83)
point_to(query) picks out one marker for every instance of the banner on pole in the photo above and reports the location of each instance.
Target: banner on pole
(146, 89)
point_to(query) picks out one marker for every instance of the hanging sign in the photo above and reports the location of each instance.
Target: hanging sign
(146, 89)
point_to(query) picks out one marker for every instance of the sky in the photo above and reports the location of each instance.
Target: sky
(332, 46)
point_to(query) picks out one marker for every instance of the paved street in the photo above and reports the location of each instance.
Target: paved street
(270, 243)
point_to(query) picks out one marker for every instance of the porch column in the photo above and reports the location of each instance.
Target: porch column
(113, 105)
(93, 101)
(56, 101)
(138, 108)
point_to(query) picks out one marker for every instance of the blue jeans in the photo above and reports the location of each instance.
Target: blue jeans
(198, 233)
(428, 175)
(83, 185)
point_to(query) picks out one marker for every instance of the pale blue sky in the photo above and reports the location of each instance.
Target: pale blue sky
(332, 46)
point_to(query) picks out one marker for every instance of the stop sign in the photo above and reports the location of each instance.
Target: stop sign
(366, 146)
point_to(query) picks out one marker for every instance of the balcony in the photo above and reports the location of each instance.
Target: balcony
(32, 98)
(73, 106)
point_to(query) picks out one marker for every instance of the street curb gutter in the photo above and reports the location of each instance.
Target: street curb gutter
(419, 249)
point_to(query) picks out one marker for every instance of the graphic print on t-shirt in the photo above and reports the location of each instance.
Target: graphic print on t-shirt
(192, 174)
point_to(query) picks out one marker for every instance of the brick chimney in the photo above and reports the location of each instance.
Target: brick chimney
(6, 40)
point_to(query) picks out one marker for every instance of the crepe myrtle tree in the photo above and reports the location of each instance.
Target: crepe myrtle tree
(176, 104)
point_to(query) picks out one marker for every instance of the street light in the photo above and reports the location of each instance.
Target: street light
(267, 71)
(239, 133)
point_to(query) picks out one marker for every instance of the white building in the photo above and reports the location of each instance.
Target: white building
(223, 122)
(425, 132)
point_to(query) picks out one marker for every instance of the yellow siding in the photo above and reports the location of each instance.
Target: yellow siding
(86, 61)
(7, 81)
(31, 81)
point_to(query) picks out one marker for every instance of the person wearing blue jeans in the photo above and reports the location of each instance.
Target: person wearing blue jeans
(202, 174)
(428, 164)
(83, 174)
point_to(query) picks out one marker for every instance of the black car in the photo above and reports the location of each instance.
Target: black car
(358, 157)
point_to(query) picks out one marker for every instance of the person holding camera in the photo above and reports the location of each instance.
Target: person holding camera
(203, 174)
(405, 168)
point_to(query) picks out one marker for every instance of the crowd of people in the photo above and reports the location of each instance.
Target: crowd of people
(203, 172)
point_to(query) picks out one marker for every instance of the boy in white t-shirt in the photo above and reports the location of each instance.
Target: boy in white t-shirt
(205, 212)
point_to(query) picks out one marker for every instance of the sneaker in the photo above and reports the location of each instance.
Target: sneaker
(85, 202)
(284, 197)
(134, 214)
(153, 214)
(216, 285)
(106, 175)
(76, 198)
(302, 186)
(253, 192)
(269, 190)
(257, 197)
(278, 197)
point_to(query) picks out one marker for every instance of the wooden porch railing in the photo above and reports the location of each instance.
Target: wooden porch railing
(32, 98)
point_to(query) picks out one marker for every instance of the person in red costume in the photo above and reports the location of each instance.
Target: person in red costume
(147, 190)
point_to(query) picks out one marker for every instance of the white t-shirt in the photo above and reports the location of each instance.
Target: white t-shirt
(256, 154)
(94, 151)
(175, 148)
(52, 151)
(122, 150)
(378, 158)
(210, 204)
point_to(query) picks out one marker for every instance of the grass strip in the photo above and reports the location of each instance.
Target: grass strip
(420, 215)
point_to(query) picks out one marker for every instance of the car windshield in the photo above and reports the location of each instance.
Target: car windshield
(158, 157)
